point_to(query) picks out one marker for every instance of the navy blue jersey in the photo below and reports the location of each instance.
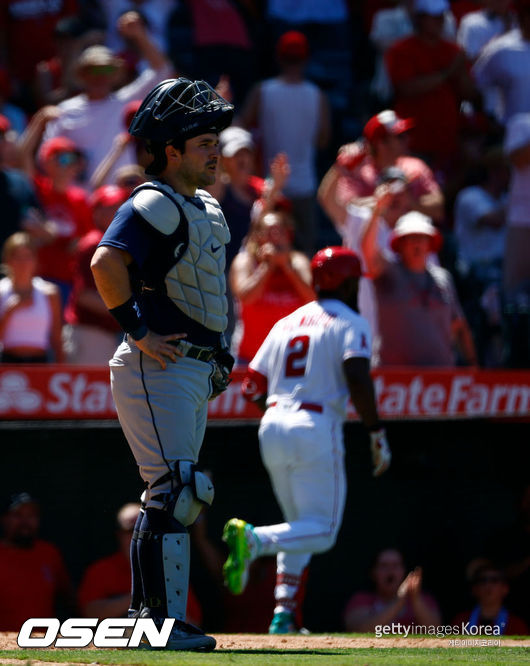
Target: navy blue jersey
(154, 254)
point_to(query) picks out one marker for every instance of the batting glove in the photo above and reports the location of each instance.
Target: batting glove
(381, 455)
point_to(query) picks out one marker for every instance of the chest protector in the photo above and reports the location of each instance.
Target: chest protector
(195, 282)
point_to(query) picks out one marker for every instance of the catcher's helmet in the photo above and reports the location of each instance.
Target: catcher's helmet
(332, 265)
(180, 109)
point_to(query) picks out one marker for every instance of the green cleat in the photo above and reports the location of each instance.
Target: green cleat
(242, 542)
(283, 623)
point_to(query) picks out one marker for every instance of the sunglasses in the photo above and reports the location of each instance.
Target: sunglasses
(66, 159)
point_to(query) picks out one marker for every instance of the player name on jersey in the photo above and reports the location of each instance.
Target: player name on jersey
(60, 392)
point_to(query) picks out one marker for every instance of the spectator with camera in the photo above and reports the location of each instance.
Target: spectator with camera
(359, 165)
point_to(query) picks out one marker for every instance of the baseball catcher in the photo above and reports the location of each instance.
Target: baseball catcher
(160, 270)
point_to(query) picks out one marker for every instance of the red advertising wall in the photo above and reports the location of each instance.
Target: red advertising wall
(78, 392)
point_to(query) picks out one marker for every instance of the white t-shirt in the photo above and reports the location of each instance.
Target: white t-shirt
(31, 325)
(289, 123)
(504, 64)
(303, 354)
(477, 244)
(517, 136)
(93, 125)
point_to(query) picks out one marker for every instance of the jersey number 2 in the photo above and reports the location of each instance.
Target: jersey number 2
(296, 359)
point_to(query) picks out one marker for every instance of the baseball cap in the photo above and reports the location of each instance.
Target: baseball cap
(98, 56)
(385, 123)
(292, 45)
(233, 139)
(108, 195)
(415, 222)
(59, 144)
(15, 500)
(431, 7)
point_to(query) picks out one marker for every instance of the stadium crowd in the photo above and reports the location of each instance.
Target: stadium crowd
(399, 129)
(346, 113)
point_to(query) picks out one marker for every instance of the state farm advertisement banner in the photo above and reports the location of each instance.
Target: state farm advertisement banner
(77, 392)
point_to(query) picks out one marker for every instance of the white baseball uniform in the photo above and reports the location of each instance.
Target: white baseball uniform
(300, 367)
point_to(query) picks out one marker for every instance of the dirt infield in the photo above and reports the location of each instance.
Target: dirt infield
(8, 641)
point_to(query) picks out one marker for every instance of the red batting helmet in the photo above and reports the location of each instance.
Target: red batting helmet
(332, 265)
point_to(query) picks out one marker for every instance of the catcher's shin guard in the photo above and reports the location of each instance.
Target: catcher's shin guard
(164, 560)
(176, 554)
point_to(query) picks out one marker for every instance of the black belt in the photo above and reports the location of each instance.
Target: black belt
(199, 353)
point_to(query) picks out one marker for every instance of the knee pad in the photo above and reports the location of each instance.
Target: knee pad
(194, 491)
(187, 491)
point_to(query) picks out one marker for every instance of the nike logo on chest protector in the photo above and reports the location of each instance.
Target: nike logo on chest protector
(197, 283)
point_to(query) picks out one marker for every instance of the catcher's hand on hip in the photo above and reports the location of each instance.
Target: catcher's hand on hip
(160, 348)
(381, 455)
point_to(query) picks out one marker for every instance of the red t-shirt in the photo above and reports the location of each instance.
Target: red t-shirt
(111, 577)
(28, 30)
(30, 581)
(71, 213)
(83, 279)
(435, 113)
(258, 317)
(218, 23)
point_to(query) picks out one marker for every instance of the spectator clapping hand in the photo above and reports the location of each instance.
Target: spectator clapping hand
(411, 586)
